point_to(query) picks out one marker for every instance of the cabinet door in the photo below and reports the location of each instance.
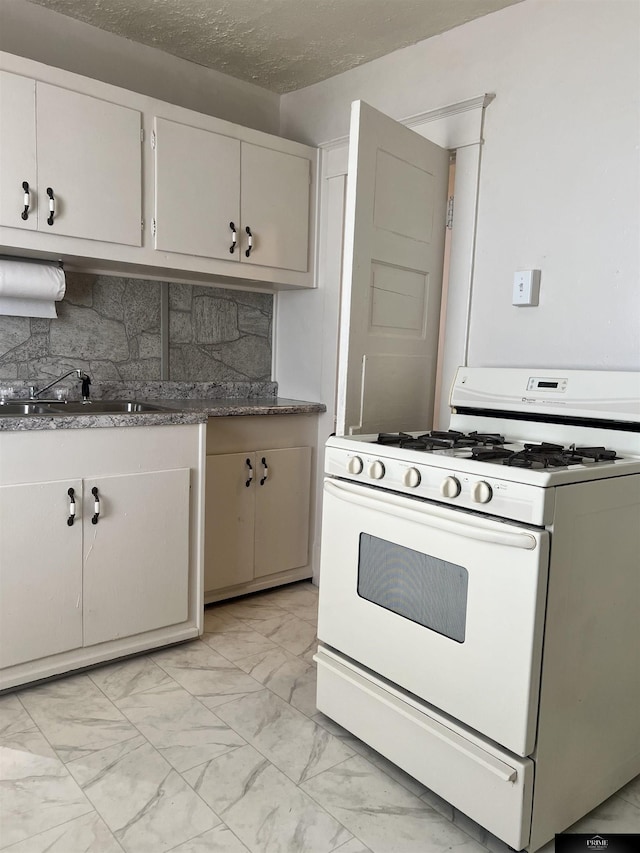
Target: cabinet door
(229, 516)
(274, 202)
(282, 509)
(17, 150)
(136, 558)
(89, 154)
(197, 191)
(40, 572)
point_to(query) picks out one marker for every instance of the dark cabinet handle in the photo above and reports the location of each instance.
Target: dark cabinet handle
(265, 472)
(96, 505)
(72, 507)
(249, 241)
(52, 206)
(26, 201)
(250, 467)
(234, 238)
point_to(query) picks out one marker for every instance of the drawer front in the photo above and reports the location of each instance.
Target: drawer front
(490, 785)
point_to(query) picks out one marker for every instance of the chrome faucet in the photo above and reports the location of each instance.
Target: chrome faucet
(34, 393)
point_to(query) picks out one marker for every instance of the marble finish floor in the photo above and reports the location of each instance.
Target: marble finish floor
(217, 745)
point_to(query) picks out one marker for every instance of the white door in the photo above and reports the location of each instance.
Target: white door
(18, 151)
(89, 156)
(448, 605)
(136, 558)
(392, 281)
(40, 571)
(274, 203)
(197, 191)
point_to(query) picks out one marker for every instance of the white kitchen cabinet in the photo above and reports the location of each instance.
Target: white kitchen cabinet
(40, 572)
(80, 156)
(126, 574)
(257, 504)
(220, 197)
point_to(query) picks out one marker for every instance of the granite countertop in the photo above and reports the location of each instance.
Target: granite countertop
(178, 410)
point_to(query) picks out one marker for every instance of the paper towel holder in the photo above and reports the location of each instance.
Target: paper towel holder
(58, 262)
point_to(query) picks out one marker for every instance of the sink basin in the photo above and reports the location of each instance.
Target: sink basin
(16, 408)
(104, 407)
(91, 407)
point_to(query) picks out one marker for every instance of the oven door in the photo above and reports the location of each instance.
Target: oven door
(446, 604)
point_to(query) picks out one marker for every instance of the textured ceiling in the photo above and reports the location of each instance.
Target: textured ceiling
(280, 45)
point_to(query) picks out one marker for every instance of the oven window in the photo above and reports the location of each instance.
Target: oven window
(424, 589)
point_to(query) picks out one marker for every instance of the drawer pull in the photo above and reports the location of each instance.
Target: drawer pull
(265, 472)
(72, 507)
(249, 241)
(250, 467)
(52, 206)
(234, 238)
(96, 505)
(26, 200)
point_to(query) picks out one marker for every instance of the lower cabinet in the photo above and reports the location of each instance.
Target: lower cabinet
(98, 565)
(257, 506)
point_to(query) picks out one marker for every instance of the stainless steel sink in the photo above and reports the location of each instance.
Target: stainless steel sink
(90, 407)
(16, 408)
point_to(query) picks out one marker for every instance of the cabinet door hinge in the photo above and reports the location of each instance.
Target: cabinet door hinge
(153, 140)
(142, 224)
(142, 134)
(450, 212)
(153, 227)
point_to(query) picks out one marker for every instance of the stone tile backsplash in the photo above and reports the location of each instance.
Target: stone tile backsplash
(110, 327)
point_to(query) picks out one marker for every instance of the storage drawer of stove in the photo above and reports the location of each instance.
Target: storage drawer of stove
(491, 786)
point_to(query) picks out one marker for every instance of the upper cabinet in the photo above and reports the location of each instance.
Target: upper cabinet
(109, 180)
(70, 164)
(220, 197)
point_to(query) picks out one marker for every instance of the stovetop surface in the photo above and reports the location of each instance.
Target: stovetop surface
(495, 448)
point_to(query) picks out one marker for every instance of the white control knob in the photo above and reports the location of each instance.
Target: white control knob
(376, 470)
(411, 478)
(481, 492)
(450, 487)
(354, 465)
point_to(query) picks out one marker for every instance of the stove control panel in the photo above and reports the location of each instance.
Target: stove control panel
(440, 481)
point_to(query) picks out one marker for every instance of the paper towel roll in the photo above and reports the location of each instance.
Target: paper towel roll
(30, 290)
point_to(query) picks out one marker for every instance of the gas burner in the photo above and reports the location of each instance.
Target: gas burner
(490, 454)
(547, 455)
(439, 439)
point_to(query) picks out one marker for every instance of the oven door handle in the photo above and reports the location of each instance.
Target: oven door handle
(424, 513)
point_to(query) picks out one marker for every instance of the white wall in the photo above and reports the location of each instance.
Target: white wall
(49, 37)
(560, 177)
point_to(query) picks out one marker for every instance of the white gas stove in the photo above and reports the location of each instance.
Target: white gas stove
(479, 596)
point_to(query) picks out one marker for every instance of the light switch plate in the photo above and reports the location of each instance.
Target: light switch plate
(526, 287)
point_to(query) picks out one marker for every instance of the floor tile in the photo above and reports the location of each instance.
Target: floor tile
(291, 741)
(263, 807)
(631, 792)
(217, 620)
(309, 614)
(286, 675)
(131, 676)
(75, 716)
(295, 596)
(383, 814)
(179, 726)
(13, 717)
(205, 673)
(218, 840)
(295, 635)
(145, 803)
(36, 790)
(86, 834)
(353, 846)
(614, 815)
(238, 643)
